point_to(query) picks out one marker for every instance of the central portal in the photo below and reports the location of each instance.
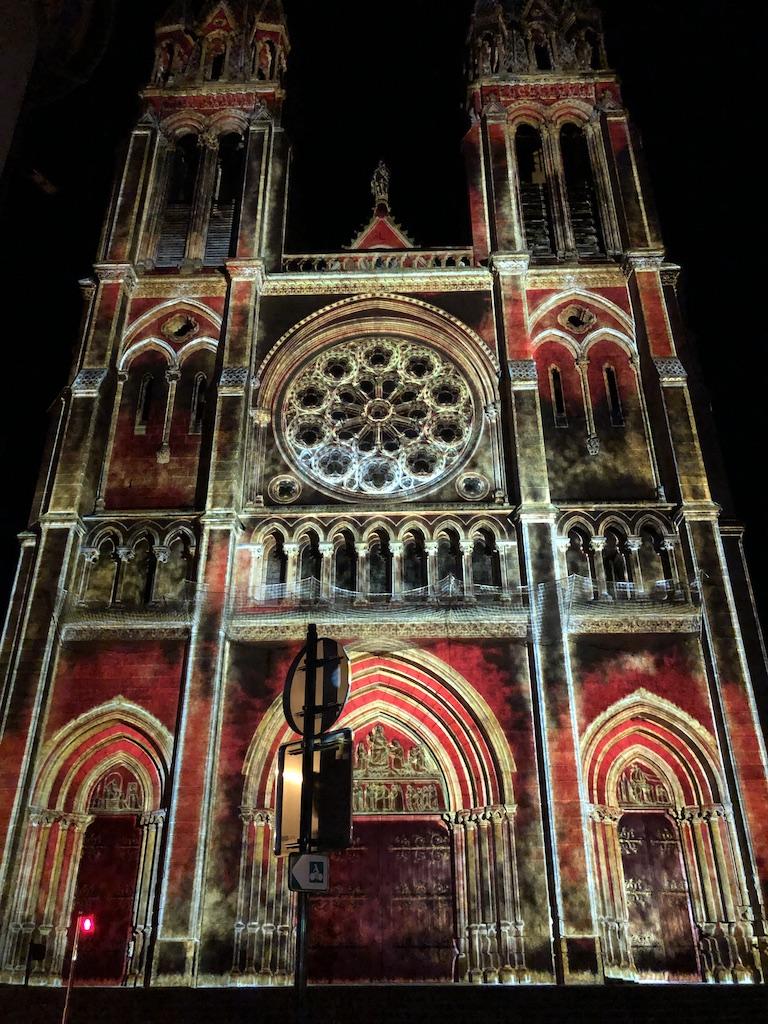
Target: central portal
(389, 914)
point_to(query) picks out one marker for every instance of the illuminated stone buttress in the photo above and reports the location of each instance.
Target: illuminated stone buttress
(479, 466)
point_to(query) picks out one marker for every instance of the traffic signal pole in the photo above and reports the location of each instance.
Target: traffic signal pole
(305, 826)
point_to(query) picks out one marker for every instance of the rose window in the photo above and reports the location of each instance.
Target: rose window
(376, 417)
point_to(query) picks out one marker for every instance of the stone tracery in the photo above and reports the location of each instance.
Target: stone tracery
(381, 417)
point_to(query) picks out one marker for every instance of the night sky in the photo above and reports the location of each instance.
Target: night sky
(385, 81)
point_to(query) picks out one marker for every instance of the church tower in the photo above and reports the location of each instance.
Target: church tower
(478, 466)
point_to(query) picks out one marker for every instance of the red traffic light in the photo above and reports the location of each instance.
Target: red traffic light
(87, 924)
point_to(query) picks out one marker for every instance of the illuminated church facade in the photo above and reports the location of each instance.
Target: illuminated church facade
(477, 466)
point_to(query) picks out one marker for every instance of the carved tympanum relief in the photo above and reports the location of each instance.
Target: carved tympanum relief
(392, 777)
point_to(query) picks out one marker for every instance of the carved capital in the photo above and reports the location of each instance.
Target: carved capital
(592, 444)
(669, 542)
(208, 139)
(509, 264)
(116, 273)
(88, 382)
(597, 544)
(125, 553)
(291, 549)
(604, 814)
(430, 547)
(246, 270)
(161, 552)
(325, 548)
(492, 411)
(42, 817)
(642, 262)
(397, 547)
(151, 818)
(563, 543)
(634, 543)
(361, 550)
(467, 547)
(90, 554)
(670, 274)
(173, 374)
(260, 417)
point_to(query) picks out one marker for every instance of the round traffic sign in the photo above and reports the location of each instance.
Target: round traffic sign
(331, 686)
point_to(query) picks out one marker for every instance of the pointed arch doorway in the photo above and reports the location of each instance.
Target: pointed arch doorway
(429, 889)
(389, 913)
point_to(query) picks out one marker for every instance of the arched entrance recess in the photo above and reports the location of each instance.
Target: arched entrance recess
(434, 816)
(92, 837)
(674, 903)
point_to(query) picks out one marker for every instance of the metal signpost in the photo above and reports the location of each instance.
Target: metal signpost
(319, 794)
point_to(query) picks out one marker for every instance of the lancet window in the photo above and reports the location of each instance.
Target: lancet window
(177, 213)
(581, 191)
(225, 200)
(535, 199)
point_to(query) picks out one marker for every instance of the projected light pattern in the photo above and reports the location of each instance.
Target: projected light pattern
(383, 416)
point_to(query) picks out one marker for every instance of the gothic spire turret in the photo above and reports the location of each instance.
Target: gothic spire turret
(221, 41)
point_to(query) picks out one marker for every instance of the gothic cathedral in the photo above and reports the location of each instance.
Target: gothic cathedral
(477, 466)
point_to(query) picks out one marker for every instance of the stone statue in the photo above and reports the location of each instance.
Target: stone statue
(378, 756)
(380, 184)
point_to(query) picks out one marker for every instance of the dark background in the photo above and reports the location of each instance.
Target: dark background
(385, 80)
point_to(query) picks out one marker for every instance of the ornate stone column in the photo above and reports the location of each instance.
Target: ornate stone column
(592, 441)
(172, 375)
(430, 548)
(208, 142)
(597, 544)
(256, 583)
(261, 419)
(362, 576)
(151, 825)
(467, 548)
(633, 545)
(291, 552)
(614, 915)
(122, 377)
(555, 175)
(396, 548)
(509, 574)
(326, 550)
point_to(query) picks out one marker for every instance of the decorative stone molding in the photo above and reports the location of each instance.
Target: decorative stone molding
(670, 274)
(371, 282)
(593, 445)
(261, 417)
(246, 270)
(492, 411)
(151, 818)
(505, 264)
(494, 111)
(88, 382)
(671, 371)
(522, 374)
(174, 287)
(116, 273)
(639, 262)
(233, 380)
(173, 374)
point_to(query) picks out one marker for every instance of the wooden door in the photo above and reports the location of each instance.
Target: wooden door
(660, 924)
(106, 887)
(389, 914)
